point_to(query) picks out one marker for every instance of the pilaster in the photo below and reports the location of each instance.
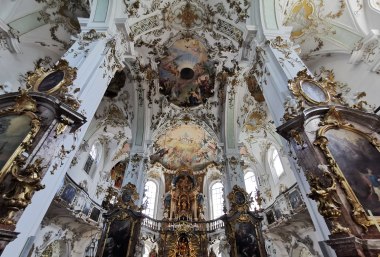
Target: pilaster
(96, 55)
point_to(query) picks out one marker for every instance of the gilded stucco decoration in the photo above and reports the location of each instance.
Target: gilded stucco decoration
(51, 80)
(19, 182)
(56, 81)
(239, 199)
(311, 91)
(311, 22)
(284, 46)
(323, 190)
(62, 14)
(189, 15)
(340, 92)
(308, 91)
(85, 40)
(255, 121)
(24, 182)
(22, 114)
(336, 136)
(126, 197)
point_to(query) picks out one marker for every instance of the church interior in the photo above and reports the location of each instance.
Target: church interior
(146, 128)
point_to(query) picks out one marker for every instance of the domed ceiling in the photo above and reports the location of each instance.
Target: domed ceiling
(186, 75)
(186, 145)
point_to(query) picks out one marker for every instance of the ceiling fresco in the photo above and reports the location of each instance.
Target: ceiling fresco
(300, 17)
(185, 145)
(186, 75)
(320, 26)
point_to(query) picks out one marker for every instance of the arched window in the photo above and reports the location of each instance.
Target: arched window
(93, 159)
(275, 164)
(251, 187)
(217, 200)
(150, 198)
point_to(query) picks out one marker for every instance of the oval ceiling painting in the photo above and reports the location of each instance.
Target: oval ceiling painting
(186, 75)
(185, 145)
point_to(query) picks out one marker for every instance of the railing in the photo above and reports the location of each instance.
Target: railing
(78, 201)
(285, 206)
(166, 225)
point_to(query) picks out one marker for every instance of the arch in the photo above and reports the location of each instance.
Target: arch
(217, 199)
(150, 198)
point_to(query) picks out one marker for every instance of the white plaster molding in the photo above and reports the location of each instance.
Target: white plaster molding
(367, 50)
(8, 40)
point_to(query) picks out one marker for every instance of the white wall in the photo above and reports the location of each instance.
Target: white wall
(358, 77)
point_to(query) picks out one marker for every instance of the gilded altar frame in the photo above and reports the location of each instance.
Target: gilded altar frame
(24, 106)
(243, 226)
(333, 120)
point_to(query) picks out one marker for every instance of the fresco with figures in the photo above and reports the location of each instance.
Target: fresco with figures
(185, 145)
(186, 75)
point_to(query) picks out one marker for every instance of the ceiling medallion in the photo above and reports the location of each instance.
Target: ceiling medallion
(188, 16)
(186, 75)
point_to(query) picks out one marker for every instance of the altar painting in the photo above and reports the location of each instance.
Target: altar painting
(13, 131)
(247, 244)
(361, 169)
(119, 236)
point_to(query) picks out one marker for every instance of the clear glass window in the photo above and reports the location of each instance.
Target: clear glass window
(217, 200)
(251, 187)
(93, 157)
(277, 165)
(150, 198)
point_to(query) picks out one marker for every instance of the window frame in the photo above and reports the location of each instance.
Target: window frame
(212, 200)
(256, 187)
(94, 166)
(272, 160)
(154, 209)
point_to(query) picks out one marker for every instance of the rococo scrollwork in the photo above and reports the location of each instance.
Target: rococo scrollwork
(239, 199)
(56, 81)
(356, 181)
(309, 91)
(18, 183)
(24, 112)
(304, 87)
(323, 191)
